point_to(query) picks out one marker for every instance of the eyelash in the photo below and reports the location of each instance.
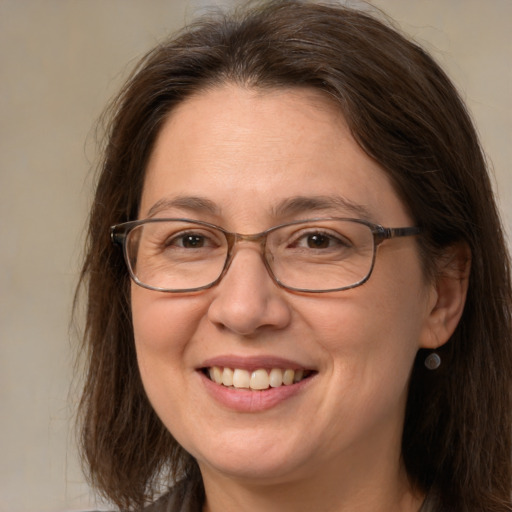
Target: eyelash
(181, 237)
(339, 241)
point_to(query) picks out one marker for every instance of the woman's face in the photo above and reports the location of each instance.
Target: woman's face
(236, 157)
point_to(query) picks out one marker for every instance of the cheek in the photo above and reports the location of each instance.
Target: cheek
(374, 330)
(163, 322)
(164, 326)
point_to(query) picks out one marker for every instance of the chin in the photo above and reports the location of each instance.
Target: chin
(254, 471)
(260, 462)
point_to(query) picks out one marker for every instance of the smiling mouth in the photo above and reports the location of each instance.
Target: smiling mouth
(257, 380)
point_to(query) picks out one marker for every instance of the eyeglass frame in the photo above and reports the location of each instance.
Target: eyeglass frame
(119, 234)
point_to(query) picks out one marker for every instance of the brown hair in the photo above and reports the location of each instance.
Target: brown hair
(405, 113)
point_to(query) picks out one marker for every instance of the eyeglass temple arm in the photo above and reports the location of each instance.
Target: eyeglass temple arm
(117, 237)
(397, 232)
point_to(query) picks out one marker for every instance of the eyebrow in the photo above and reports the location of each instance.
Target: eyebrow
(288, 207)
(193, 203)
(300, 204)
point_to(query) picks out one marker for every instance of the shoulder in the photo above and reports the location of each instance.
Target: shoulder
(182, 497)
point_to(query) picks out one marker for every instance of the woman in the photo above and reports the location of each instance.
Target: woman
(318, 315)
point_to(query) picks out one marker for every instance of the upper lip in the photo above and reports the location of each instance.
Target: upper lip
(253, 362)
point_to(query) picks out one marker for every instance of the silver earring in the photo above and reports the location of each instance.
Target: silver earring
(433, 361)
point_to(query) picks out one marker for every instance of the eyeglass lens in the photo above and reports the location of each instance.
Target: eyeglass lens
(322, 255)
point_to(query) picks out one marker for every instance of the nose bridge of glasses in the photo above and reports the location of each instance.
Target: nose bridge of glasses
(235, 239)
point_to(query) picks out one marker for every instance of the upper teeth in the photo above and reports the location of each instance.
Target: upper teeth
(258, 379)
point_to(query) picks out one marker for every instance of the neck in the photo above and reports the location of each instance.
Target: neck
(366, 475)
(361, 489)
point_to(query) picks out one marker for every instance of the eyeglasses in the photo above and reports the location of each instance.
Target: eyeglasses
(315, 255)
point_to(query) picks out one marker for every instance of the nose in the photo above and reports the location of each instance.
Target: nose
(247, 300)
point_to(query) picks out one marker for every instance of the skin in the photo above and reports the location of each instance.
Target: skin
(336, 442)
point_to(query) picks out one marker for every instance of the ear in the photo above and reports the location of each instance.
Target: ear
(448, 296)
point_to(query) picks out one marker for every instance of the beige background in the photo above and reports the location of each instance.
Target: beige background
(60, 61)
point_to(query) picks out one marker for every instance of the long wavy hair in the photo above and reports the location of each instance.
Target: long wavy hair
(405, 114)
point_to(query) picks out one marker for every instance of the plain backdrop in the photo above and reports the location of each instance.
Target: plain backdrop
(60, 61)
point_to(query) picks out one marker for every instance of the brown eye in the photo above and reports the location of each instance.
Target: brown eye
(318, 241)
(192, 242)
(188, 241)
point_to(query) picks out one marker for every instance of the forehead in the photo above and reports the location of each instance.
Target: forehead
(243, 149)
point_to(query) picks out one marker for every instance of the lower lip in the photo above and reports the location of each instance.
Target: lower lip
(244, 400)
